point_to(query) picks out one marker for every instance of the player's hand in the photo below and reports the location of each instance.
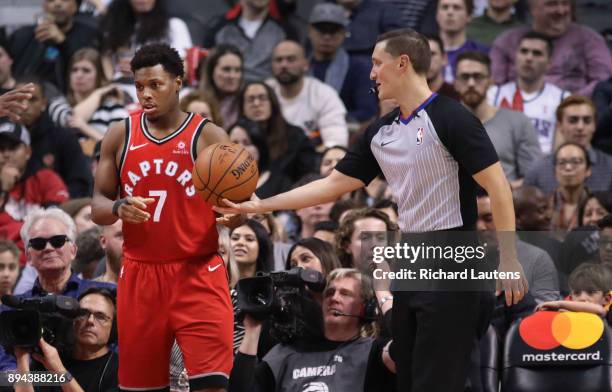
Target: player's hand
(14, 102)
(134, 211)
(514, 289)
(239, 208)
(232, 220)
(50, 358)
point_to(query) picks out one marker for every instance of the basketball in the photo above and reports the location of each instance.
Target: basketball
(225, 171)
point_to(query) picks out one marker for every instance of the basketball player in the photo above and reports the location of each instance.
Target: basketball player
(433, 153)
(172, 283)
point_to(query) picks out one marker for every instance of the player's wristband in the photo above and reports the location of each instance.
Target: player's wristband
(118, 204)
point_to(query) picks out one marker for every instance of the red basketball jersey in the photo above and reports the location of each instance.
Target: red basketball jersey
(182, 225)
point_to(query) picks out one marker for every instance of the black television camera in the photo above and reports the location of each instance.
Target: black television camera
(284, 299)
(50, 317)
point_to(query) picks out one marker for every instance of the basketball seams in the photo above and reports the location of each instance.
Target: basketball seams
(229, 167)
(240, 184)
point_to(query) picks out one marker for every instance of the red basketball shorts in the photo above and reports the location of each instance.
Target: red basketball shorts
(188, 301)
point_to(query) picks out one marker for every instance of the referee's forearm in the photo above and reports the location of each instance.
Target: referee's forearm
(325, 190)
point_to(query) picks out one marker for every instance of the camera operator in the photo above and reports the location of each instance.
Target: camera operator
(92, 366)
(342, 360)
(50, 236)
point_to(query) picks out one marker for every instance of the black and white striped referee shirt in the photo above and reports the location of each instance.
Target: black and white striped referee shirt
(428, 159)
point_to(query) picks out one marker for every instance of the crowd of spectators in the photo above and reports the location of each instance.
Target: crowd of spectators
(291, 83)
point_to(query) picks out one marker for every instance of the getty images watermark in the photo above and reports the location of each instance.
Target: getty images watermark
(450, 260)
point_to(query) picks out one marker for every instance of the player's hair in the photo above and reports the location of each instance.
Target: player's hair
(323, 250)
(275, 128)
(209, 99)
(590, 277)
(264, 260)
(206, 78)
(9, 246)
(540, 37)
(603, 198)
(476, 56)
(573, 100)
(409, 42)
(436, 38)
(50, 213)
(347, 228)
(584, 152)
(154, 54)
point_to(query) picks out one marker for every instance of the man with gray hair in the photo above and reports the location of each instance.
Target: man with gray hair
(49, 237)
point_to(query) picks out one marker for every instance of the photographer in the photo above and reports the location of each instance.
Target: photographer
(50, 237)
(92, 366)
(342, 360)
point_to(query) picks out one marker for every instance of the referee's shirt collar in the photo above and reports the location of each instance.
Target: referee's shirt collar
(416, 111)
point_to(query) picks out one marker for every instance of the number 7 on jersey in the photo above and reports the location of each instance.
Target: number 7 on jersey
(160, 203)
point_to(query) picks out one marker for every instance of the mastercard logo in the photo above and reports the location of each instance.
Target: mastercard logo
(574, 330)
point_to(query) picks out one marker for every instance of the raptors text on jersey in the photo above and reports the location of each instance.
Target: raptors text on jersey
(182, 225)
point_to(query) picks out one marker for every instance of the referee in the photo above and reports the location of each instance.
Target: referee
(433, 153)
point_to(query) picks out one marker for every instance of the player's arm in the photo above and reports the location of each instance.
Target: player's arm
(106, 186)
(211, 134)
(493, 180)
(321, 191)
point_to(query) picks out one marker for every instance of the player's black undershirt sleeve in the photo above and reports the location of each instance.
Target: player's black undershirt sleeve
(359, 162)
(462, 134)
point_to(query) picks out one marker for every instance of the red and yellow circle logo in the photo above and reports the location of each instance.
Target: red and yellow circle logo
(574, 330)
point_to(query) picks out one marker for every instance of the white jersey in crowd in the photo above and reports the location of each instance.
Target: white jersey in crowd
(318, 110)
(540, 107)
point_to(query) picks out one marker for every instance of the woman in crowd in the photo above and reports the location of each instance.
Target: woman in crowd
(95, 104)
(289, 149)
(79, 210)
(595, 207)
(251, 250)
(330, 158)
(202, 104)
(271, 181)
(314, 254)
(129, 24)
(221, 77)
(572, 168)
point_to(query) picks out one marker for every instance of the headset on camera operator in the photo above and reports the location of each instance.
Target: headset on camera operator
(91, 366)
(341, 360)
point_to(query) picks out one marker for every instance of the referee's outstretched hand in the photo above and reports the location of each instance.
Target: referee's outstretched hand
(514, 289)
(251, 206)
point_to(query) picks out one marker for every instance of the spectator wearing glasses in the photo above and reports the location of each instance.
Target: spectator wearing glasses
(50, 237)
(575, 123)
(91, 365)
(511, 132)
(572, 167)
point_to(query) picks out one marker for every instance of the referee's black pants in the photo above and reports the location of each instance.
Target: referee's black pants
(434, 334)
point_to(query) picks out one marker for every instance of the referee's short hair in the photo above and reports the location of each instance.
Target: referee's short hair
(408, 41)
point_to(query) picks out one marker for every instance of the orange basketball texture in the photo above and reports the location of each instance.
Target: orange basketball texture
(225, 171)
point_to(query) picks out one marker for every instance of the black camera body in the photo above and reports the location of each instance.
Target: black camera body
(285, 299)
(50, 317)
